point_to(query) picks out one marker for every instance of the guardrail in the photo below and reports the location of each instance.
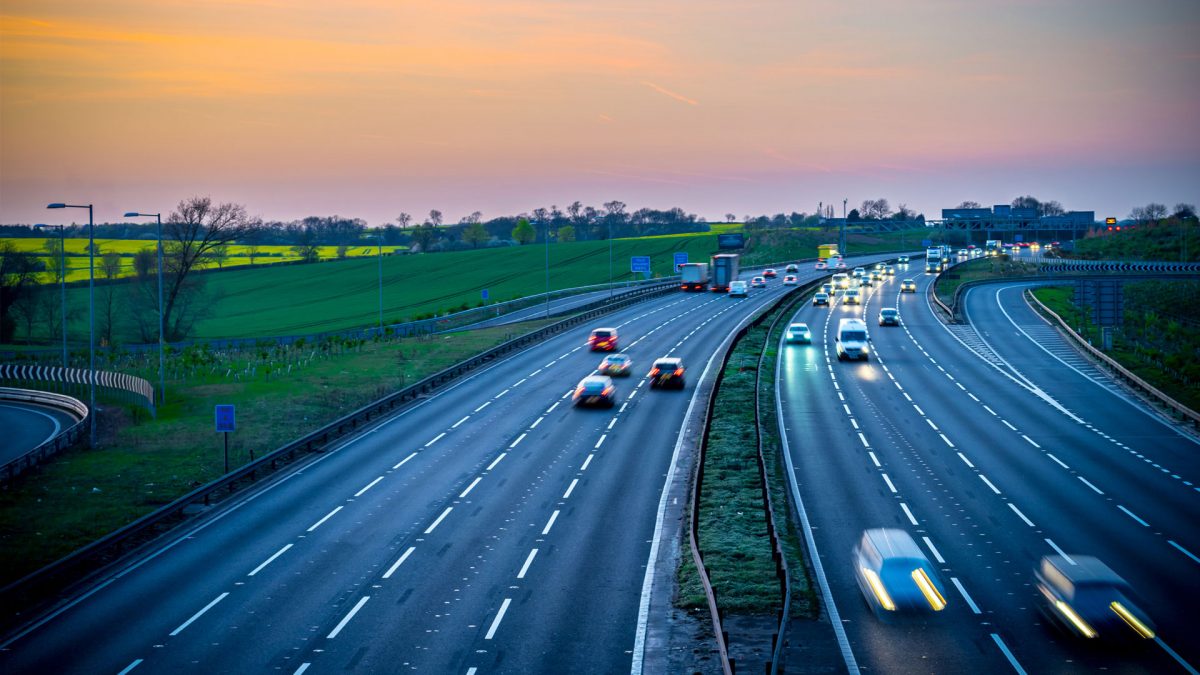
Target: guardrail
(140, 389)
(104, 550)
(50, 447)
(1184, 412)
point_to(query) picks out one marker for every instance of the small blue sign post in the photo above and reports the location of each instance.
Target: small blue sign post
(681, 258)
(640, 263)
(484, 294)
(226, 422)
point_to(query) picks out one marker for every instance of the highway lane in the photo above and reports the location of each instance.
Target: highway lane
(27, 426)
(949, 470)
(403, 545)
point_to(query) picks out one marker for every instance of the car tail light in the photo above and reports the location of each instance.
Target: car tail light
(653, 372)
(607, 391)
(678, 371)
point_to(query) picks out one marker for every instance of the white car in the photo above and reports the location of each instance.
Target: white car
(799, 333)
(737, 289)
(851, 297)
(790, 280)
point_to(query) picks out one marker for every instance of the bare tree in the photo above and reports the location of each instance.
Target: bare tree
(968, 205)
(219, 254)
(730, 218)
(110, 269)
(435, 218)
(403, 220)
(1149, 213)
(875, 209)
(252, 252)
(194, 229)
(1184, 211)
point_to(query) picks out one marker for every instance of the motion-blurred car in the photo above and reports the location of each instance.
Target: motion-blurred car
(1084, 597)
(827, 287)
(858, 272)
(738, 289)
(894, 574)
(595, 390)
(889, 316)
(821, 265)
(667, 373)
(615, 365)
(603, 340)
(851, 297)
(821, 298)
(758, 282)
(902, 260)
(792, 268)
(889, 270)
(840, 265)
(933, 268)
(798, 333)
(790, 280)
(770, 273)
(908, 286)
(866, 281)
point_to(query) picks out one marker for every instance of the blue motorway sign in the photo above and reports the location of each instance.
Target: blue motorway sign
(639, 263)
(225, 418)
(680, 259)
(731, 240)
(484, 294)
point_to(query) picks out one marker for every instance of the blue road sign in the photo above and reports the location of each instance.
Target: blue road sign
(225, 418)
(680, 259)
(639, 263)
(484, 293)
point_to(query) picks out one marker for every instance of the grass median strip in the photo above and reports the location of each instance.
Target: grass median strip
(732, 522)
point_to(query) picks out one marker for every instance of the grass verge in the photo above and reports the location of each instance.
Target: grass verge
(143, 464)
(1000, 267)
(732, 521)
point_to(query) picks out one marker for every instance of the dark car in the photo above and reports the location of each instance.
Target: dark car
(603, 340)
(667, 373)
(889, 316)
(792, 268)
(1084, 597)
(821, 298)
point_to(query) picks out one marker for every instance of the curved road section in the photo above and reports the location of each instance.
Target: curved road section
(26, 426)
(993, 444)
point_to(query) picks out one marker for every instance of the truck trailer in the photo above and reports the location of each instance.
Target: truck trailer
(724, 269)
(693, 276)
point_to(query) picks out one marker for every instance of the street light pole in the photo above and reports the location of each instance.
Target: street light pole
(91, 316)
(379, 239)
(62, 282)
(162, 377)
(547, 235)
(610, 286)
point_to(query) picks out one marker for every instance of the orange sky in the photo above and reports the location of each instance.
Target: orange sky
(367, 108)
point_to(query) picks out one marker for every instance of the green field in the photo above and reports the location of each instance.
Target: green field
(239, 255)
(343, 294)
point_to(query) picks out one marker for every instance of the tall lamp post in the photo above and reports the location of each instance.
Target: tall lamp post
(62, 281)
(379, 240)
(162, 378)
(91, 316)
(547, 236)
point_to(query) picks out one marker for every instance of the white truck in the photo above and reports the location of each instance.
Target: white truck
(693, 276)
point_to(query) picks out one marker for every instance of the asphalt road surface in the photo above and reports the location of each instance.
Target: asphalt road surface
(992, 444)
(24, 426)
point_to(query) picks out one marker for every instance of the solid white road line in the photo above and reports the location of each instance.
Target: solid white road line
(1012, 660)
(439, 519)
(470, 487)
(368, 487)
(528, 562)
(322, 521)
(346, 619)
(400, 561)
(570, 489)
(270, 560)
(496, 622)
(404, 461)
(550, 523)
(495, 461)
(197, 615)
(966, 596)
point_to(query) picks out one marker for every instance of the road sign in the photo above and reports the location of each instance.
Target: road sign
(640, 263)
(680, 259)
(733, 240)
(225, 418)
(1110, 221)
(484, 294)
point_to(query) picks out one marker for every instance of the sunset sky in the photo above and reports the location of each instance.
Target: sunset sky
(367, 108)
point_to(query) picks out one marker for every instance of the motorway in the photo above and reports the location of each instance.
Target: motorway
(489, 528)
(27, 426)
(993, 444)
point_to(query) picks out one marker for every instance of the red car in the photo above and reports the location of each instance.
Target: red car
(603, 340)
(769, 273)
